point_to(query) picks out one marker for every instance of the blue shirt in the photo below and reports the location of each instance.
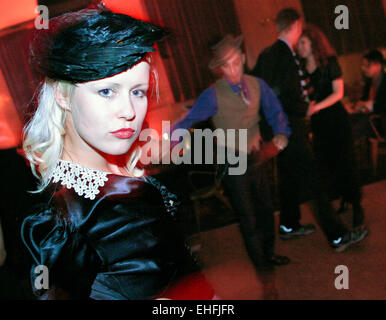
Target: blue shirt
(206, 106)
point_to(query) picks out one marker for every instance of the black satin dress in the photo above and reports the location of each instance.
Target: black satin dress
(124, 244)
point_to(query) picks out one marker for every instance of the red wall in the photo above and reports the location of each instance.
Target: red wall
(15, 12)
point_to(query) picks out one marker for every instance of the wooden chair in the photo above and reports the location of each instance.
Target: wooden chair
(213, 189)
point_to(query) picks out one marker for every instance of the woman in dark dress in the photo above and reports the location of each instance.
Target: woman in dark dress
(330, 125)
(107, 231)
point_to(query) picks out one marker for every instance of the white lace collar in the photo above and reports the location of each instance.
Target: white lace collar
(84, 181)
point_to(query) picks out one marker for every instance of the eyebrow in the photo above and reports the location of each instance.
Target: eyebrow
(106, 84)
(140, 85)
(116, 84)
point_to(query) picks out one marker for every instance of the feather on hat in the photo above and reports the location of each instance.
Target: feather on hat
(91, 44)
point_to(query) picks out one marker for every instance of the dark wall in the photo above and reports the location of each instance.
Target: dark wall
(366, 23)
(194, 26)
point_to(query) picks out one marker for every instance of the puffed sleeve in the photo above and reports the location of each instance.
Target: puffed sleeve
(334, 70)
(60, 250)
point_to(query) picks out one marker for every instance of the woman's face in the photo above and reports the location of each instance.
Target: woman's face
(107, 114)
(304, 47)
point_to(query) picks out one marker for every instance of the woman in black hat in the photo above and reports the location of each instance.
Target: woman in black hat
(107, 231)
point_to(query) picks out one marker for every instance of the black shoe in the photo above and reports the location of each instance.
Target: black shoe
(278, 260)
(343, 207)
(340, 244)
(289, 233)
(357, 235)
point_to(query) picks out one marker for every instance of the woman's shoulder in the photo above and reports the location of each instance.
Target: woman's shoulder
(85, 183)
(69, 209)
(44, 228)
(332, 60)
(333, 67)
(170, 199)
(78, 194)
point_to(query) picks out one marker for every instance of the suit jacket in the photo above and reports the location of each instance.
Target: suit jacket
(276, 65)
(380, 95)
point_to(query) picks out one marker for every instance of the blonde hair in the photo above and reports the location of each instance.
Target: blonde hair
(44, 135)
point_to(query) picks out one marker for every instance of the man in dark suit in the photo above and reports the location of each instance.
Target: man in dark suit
(374, 91)
(278, 66)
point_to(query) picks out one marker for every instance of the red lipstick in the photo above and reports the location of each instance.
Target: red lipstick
(124, 133)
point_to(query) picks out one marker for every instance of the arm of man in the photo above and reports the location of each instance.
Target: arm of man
(204, 108)
(364, 106)
(277, 119)
(265, 69)
(275, 115)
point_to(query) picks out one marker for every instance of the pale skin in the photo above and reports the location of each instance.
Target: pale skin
(99, 108)
(305, 51)
(233, 70)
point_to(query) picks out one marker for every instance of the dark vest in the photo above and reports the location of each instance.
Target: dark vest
(234, 113)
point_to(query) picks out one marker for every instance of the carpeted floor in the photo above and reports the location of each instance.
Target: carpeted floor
(311, 275)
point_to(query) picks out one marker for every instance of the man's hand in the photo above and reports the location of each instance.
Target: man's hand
(364, 106)
(280, 141)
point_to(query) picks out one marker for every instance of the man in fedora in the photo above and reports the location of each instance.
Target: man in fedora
(234, 102)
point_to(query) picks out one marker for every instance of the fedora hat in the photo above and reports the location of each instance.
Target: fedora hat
(224, 49)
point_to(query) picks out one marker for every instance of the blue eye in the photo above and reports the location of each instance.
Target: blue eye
(138, 93)
(106, 93)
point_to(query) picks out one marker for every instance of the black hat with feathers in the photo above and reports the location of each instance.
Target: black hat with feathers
(91, 44)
